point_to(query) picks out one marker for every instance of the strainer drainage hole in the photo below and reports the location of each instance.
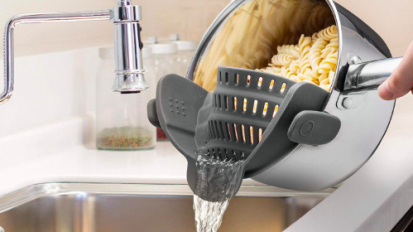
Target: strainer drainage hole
(272, 84)
(226, 102)
(260, 82)
(283, 87)
(254, 110)
(243, 134)
(264, 112)
(275, 111)
(236, 132)
(235, 103)
(252, 135)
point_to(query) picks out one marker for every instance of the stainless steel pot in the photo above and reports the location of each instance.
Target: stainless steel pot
(353, 96)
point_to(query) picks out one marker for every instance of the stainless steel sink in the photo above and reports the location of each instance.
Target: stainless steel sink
(69, 207)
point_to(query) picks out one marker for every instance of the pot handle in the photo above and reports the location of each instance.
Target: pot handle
(370, 74)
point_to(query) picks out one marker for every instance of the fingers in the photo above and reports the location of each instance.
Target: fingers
(384, 91)
(401, 80)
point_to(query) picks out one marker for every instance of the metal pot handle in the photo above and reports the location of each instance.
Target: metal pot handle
(370, 74)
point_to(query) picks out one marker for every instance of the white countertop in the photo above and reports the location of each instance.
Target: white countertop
(380, 193)
(56, 153)
(374, 199)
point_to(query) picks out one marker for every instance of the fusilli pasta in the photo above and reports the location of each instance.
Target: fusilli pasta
(282, 60)
(315, 62)
(258, 30)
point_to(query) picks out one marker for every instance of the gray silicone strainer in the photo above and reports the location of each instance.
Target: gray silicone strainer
(251, 115)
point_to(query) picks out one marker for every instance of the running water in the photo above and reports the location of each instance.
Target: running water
(216, 183)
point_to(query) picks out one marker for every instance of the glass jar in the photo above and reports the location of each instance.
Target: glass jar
(121, 119)
(150, 40)
(169, 39)
(173, 37)
(165, 62)
(186, 50)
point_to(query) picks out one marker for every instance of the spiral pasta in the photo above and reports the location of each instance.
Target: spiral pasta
(272, 70)
(292, 50)
(329, 33)
(261, 34)
(316, 62)
(328, 64)
(315, 53)
(332, 47)
(305, 46)
(309, 76)
(314, 37)
(288, 73)
(295, 66)
(282, 60)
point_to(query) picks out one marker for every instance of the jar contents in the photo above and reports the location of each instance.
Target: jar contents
(160, 134)
(125, 138)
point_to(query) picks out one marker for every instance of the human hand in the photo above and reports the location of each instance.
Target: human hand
(401, 81)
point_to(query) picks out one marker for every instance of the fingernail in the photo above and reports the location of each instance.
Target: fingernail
(384, 91)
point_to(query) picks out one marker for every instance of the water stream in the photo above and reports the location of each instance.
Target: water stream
(216, 183)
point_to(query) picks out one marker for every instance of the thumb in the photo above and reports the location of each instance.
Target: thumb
(401, 80)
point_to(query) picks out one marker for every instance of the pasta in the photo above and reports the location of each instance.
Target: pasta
(332, 47)
(292, 50)
(305, 46)
(316, 62)
(315, 52)
(314, 37)
(282, 60)
(329, 33)
(259, 34)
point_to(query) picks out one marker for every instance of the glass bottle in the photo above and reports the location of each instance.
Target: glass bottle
(173, 37)
(169, 39)
(150, 40)
(186, 50)
(121, 119)
(165, 62)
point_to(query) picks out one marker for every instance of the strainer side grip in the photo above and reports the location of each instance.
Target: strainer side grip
(275, 144)
(178, 101)
(314, 128)
(152, 114)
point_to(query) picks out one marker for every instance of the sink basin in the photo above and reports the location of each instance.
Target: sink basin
(129, 207)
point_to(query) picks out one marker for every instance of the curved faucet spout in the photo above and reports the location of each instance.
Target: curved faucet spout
(36, 18)
(129, 73)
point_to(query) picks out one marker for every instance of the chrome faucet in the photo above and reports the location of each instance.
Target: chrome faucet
(129, 71)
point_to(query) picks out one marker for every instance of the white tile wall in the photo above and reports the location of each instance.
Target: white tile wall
(49, 88)
(189, 18)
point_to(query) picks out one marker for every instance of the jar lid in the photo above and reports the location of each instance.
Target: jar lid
(186, 45)
(151, 40)
(108, 53)
(173, 37)
(170, 48)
